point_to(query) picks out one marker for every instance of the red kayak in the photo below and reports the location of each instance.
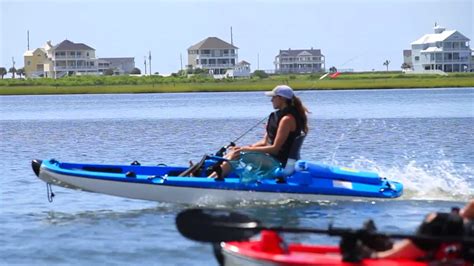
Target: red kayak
(271, 250)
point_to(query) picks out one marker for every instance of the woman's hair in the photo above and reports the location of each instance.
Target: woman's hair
(302, 110)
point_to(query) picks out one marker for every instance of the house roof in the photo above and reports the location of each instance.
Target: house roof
(67, 45)
(291, 52)
(212, 43)
(243, 62)
(31, 52)
(437, 37)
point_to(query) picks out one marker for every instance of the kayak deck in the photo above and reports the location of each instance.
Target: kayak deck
(115, 179)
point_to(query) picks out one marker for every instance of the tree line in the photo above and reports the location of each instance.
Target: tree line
(20, 72)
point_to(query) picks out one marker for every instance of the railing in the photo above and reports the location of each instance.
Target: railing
(75, 68)
(215, 66)
(435, 61)
(299, 70)
(72, 57)
(217, 56)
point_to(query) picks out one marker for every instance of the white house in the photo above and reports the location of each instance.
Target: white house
(445, 50)
(241, 70)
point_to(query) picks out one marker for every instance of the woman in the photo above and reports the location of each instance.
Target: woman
(283, 126)
(438, 224)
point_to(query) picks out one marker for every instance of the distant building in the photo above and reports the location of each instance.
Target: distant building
(407, 59)
(241, 70)
(37, 62)
(213, 54)
(68, 58)
(445, 50)
(120, 65)
(299, 61)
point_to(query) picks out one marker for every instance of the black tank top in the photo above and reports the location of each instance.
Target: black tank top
(272, 127)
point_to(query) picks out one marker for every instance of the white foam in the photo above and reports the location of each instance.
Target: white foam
(440, 180)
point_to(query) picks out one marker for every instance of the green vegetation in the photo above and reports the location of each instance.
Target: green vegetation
(201, 82)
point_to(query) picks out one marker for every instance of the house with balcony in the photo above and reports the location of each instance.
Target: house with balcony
(444, 50)
(299, 61)
(214, 55)
(69, 58)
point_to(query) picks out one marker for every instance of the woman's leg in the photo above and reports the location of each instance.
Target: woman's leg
(225, 166)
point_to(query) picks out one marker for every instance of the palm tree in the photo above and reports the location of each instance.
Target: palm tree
(20, 72)
(13, 71)
(3, 71)
(386, 63)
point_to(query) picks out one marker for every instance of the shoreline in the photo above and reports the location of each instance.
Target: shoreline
(152, 84)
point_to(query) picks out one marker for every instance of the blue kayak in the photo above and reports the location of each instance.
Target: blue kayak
(309, 181)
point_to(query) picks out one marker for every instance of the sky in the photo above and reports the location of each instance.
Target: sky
(351, 34)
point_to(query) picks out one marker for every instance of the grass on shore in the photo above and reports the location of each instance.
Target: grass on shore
(126, 84)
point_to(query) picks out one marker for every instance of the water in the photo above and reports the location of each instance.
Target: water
(422, 138)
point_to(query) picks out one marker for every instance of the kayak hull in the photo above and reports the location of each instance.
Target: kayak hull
(252, 253)
(161, 183)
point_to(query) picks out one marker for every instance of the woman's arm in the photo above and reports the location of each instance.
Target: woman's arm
(403, 249)
(262, 142)
(287, 123)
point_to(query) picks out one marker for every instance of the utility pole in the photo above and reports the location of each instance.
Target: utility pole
(181, 59)
(13, 72)
(231, 37)
(149, 61)
(258, 61)
(28, 40)
(145, 64)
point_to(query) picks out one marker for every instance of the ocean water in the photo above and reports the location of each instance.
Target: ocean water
(422, 138)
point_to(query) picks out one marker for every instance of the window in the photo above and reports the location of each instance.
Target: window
(417, 58)
(28, 63)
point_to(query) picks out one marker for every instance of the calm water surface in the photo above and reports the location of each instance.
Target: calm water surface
(422, 138)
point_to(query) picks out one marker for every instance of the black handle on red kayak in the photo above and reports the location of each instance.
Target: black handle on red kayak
(215, 225)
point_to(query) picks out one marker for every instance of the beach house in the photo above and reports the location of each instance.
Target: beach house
(69, 58)
(299, 61)
(214, 55)
(444, 50)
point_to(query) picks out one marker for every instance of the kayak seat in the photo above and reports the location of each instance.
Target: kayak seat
(295, 155)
